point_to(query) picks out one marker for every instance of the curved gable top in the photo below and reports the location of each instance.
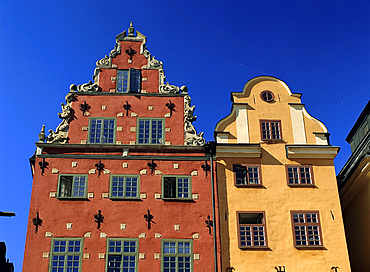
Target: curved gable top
(252, 82)
(286, 102)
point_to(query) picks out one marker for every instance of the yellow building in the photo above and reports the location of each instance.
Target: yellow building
(354, 184)
(278, 196)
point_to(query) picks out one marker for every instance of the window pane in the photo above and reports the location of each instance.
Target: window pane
(305, 175)
(122, 255)
(253, 175)
(169, 187)
(307, 229)
(251, 230)
(66, 255)
(102, 130)
(157, 129)
(134, 81)
(293, 177)
(266, 132)
(144, 131)
(122, 81)
(270, 130)
(65, 189)
(177, 256)
(183, 187)
(241, 175)
(275, 130)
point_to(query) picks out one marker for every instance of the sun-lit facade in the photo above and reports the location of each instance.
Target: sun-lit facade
(124, 182)
(278, 198)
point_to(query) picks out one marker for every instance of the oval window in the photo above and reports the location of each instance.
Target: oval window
(267, 96)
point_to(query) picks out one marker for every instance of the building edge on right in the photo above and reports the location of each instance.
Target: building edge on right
(278, 198)
(354, 191)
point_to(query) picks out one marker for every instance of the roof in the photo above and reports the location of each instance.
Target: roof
(358, 123)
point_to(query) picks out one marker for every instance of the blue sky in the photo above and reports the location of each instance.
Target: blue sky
(319, 48)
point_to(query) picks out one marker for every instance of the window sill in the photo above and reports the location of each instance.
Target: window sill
(74, 198)
(272, 141)
(124, 199)
(251, 186)
(310, 247)
(178, 200)
(264, 248)
(302, 185)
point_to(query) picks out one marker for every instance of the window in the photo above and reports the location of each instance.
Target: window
(267, 96)
(66, 255)
(176, 187)
(270, 130)
(128, 81)
(252, 229)
(122, 255)
(72, 186)
(124, 186)
(247, 175)
(299, 175)
(177, 256)
(306, 228)
(102, 130)
(151, 131)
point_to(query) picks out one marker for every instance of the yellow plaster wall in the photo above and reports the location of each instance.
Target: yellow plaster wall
(276, 198)
(277, 110)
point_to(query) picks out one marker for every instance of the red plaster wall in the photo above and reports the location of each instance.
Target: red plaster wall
(139, 105)
(138, 60)
(55, 213)
(151, 84)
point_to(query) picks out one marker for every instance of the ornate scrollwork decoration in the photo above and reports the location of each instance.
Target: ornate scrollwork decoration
(61, 132)
(153, 63)
(60, 135)
(191, 136)
(105, 62)
(156, 64)
(116, 50)
(146, 52)
(88, 87)
(167, 88)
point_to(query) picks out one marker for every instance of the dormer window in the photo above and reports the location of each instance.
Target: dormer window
(128, 81)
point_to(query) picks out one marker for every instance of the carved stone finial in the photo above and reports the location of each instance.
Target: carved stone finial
(42, 134)
(73, 87)
(131, 31)
(184, 89)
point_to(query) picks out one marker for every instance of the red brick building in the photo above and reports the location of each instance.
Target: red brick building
(124, 183)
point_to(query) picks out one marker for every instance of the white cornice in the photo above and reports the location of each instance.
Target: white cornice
(237, 150)
(311, 151)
